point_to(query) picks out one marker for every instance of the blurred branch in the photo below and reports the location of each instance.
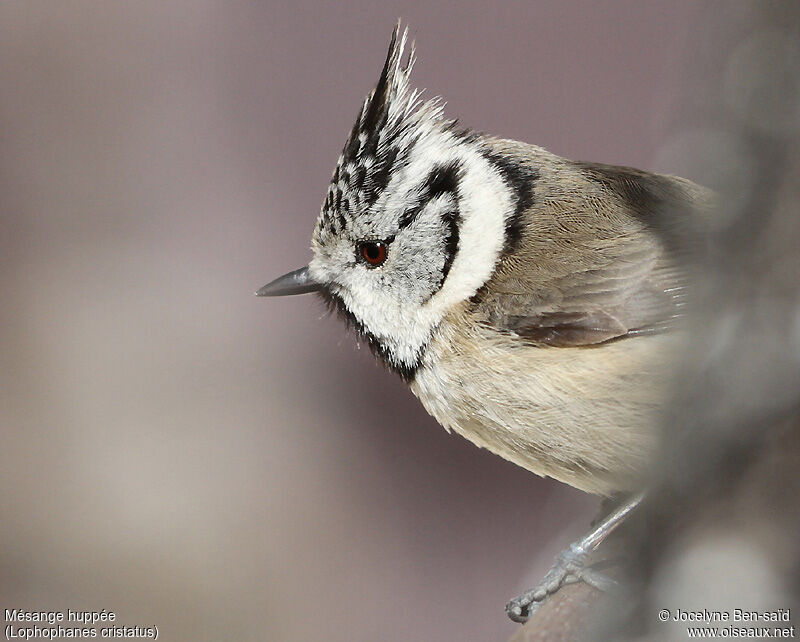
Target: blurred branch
(721, 529)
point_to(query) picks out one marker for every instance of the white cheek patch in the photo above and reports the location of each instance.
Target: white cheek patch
(485, 203)
(397, 320)
(404, 326)
(382, 311)
(402, 335)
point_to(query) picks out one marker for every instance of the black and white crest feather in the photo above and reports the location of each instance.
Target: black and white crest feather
(392, 118)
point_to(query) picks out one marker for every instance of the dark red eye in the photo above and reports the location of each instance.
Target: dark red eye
(373, 252)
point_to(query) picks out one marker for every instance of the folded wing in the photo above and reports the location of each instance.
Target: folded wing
(604, 255)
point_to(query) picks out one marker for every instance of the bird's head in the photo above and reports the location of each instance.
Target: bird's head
(415, 220)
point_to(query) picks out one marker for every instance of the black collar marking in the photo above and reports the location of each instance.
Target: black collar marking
(521, 179)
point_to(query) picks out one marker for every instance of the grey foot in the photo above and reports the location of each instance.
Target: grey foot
(570, 567)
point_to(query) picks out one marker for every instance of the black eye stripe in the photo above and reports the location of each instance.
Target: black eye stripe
(442, 179)
(409, 216)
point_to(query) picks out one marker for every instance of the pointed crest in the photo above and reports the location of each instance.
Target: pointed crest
(391, 120)
(393, 82)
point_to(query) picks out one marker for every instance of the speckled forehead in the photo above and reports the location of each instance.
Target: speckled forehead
(358, 183)
(346, 195)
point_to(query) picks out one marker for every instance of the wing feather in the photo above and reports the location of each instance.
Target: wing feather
(603, 254)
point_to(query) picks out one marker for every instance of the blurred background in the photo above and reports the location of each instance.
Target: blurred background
(224, 467)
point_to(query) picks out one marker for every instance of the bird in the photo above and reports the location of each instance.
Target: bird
(531, 303)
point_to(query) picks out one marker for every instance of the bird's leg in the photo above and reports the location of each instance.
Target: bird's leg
(571, 565)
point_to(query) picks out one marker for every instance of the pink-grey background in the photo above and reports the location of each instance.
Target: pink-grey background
(227, 467)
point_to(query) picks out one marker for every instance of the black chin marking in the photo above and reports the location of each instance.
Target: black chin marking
(406, 372)
(521, 178)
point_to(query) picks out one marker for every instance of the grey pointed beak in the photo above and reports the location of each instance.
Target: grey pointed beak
(297, 282)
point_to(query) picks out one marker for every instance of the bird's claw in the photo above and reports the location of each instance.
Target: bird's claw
(570, 567)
